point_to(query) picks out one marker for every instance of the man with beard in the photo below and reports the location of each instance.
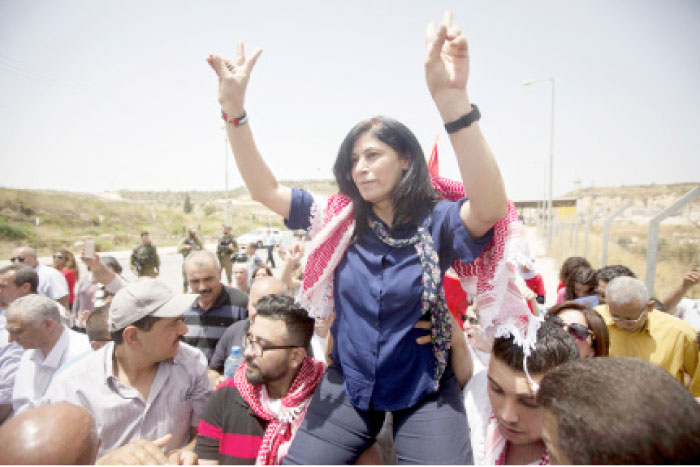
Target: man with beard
(235, 333)
(255, 415)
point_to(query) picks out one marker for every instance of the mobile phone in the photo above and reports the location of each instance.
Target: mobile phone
(89, 250)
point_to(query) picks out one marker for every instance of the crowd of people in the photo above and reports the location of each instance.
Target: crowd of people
(412, 328)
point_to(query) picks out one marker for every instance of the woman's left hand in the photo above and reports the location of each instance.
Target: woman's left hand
(457, 333)
(447, 59)
(423, 324)
(461, 358)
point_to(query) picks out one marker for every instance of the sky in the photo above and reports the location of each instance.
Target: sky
(99, 95)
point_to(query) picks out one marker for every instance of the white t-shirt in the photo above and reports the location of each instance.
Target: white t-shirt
(318, 347)
(52, 283)
(478, 406)
(688, 310)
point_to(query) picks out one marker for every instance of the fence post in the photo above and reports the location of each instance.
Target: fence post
(606, 232)
(562, 236)
(571, 234)
(578, 225)
(653, 236)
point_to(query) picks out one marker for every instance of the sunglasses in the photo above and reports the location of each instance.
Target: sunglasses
(17, 258)
(57, 256)
(575, 330)
(629, 321)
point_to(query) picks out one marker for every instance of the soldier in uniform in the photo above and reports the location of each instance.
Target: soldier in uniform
(187, 245)
(226, 247)
(144, 259)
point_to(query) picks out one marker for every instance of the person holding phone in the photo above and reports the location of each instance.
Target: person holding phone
(390, 240)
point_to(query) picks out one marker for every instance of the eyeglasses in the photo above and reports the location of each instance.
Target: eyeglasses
(629, 321)
(17, 258)
(257, 348)
(575, 330)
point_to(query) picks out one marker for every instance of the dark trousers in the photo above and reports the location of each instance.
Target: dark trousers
(434, 431)
(271, 256)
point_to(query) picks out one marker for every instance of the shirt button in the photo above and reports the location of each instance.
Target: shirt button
(374, 353)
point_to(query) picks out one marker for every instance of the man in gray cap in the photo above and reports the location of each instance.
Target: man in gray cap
(146, 389)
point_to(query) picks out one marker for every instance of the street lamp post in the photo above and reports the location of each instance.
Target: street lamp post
(551, 158)
(227, 214)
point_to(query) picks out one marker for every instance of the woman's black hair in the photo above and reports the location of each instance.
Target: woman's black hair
(414, 196)
(583, 275)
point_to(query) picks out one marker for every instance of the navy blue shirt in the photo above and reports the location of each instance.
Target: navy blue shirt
(377, 297)
(205, 328)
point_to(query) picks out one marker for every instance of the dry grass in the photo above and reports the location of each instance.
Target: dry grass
(67, 218)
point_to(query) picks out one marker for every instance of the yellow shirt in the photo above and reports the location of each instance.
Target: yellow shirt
(664, 340)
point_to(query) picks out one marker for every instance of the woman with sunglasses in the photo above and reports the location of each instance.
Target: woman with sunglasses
(64, 261)
(585, 325)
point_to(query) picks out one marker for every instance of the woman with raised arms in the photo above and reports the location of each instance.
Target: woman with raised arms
(379, 251)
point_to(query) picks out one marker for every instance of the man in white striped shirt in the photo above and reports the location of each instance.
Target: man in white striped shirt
(145, 389)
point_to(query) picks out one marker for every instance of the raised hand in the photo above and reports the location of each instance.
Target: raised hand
(447, 58)
(233, 79)
(691, 278)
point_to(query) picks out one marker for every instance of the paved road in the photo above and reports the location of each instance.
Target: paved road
(171, 265)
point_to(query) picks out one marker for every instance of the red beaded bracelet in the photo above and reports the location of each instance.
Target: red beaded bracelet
(238, 121)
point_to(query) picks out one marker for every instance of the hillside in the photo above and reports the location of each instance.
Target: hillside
(679, 241)
(115, 219)
(646, 200)
(239, 194)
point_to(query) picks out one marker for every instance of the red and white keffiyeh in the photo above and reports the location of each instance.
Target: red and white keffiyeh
(283, 426)
(502, 309)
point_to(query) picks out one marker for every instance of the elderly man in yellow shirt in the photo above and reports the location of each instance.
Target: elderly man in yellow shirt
(637, 330)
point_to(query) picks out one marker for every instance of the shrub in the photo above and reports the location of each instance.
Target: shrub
(12, 231)
(624, 242)
(209, 209)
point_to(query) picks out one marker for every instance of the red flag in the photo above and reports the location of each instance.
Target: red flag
(433, 166)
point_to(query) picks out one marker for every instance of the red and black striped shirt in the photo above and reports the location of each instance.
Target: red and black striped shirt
(229, 431)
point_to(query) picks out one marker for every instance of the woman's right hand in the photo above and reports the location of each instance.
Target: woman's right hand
(233, 81)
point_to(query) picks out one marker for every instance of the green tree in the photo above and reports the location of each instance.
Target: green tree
(187, 207)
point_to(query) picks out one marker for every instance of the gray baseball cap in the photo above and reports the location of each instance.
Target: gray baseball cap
(146, 297)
